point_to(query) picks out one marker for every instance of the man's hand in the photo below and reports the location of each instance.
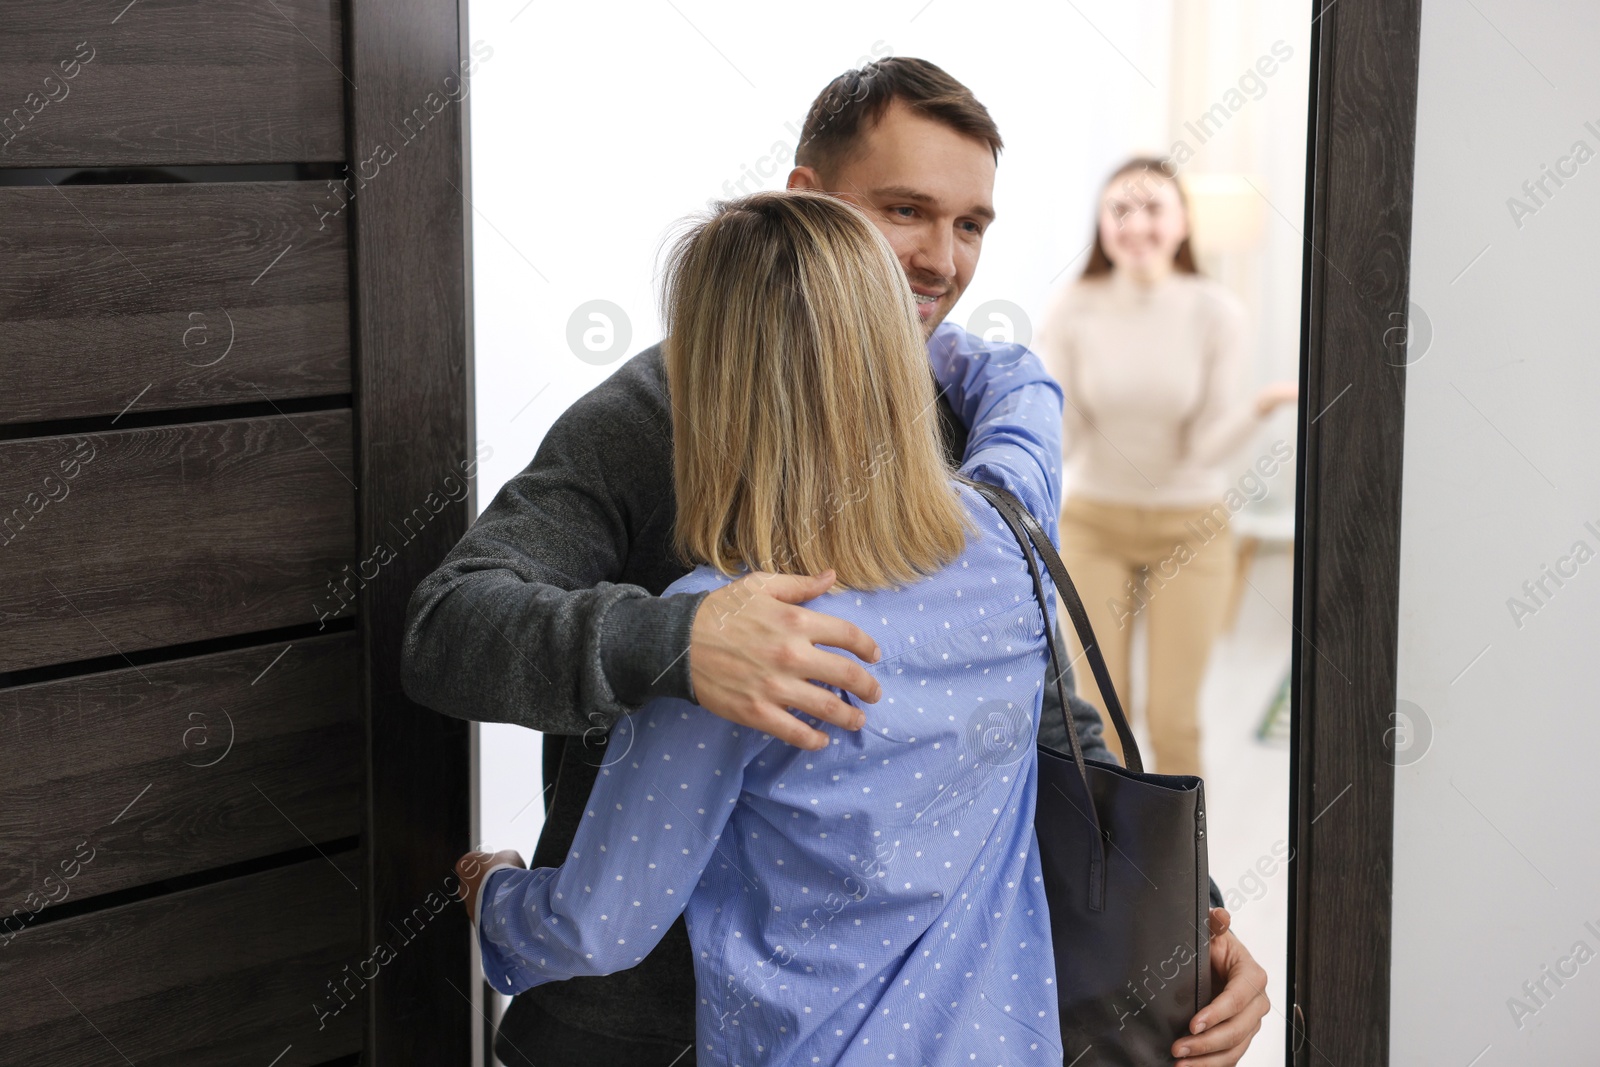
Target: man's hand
(1223, 1029)
(471, 869)
(753, 654)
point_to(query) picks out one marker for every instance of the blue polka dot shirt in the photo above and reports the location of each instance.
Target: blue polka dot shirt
(876, 902)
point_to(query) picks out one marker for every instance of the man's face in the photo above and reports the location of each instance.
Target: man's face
(930, 190)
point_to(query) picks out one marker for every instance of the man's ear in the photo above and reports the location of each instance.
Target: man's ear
(805, 178)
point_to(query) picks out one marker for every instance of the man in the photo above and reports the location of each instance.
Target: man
(544, 616)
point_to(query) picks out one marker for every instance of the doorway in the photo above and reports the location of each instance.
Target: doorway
(564, 296)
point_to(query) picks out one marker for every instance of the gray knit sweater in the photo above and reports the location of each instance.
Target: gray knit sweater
(548, 615)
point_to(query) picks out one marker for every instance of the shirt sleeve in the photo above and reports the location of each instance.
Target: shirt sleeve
(1226, 418)
(1012, 408)
(652, 825)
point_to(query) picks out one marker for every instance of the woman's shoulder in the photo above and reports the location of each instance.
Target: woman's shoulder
(702, 579)
(991, 541)
(985, 575)
(987, 567)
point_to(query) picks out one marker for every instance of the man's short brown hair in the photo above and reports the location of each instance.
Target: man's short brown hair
(855, 101)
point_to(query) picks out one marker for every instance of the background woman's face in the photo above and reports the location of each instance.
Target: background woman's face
(1142, 222)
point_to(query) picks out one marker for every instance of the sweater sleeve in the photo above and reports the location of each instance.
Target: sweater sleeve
(525, 621)
(1226, 418)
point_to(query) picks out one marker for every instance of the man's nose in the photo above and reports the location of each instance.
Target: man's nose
(935, 254)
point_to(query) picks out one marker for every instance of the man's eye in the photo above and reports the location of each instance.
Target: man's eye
(973, 228)
(904, 212)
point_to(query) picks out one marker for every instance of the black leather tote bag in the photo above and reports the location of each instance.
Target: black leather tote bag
(1125, 872)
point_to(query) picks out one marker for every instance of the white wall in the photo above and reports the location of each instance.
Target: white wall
(1497, 859)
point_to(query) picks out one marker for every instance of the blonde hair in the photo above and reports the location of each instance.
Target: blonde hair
(804, 435)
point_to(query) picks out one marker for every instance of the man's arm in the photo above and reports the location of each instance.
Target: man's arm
(527, 621)
(518, 623)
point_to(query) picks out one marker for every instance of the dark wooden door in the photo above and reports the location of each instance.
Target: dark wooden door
(233, 382)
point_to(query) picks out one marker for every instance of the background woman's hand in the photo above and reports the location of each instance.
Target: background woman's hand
(1275, 396)
(1223, 1029)
(471, 869)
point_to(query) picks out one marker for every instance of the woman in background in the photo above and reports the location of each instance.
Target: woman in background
(1151, 358)
(879, 899)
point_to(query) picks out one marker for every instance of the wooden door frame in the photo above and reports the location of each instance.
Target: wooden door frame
(1360, 160)
(410, 289)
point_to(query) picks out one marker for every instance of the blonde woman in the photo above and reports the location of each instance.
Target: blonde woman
(1150, 355)
(878, 898)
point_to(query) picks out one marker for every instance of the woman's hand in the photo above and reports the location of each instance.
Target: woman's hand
(1275, 396)
(471, 869)
(1224, 1028)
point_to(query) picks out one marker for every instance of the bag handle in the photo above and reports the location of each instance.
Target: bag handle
(1016, 516)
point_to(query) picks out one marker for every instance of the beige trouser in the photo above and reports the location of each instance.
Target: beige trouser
(1171, 567)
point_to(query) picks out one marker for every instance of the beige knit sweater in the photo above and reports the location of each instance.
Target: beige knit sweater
(1154, 377)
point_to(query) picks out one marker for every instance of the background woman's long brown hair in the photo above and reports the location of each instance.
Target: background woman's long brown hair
(804, 433)
(1183, 259)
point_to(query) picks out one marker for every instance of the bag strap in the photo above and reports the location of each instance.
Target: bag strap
(1021, 521)
(1088, 809)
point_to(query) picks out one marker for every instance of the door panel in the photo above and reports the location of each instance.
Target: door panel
(172, 534)
(220, 975)
(107, 83)
(160, 296)
(187, 406)
(178, 767)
